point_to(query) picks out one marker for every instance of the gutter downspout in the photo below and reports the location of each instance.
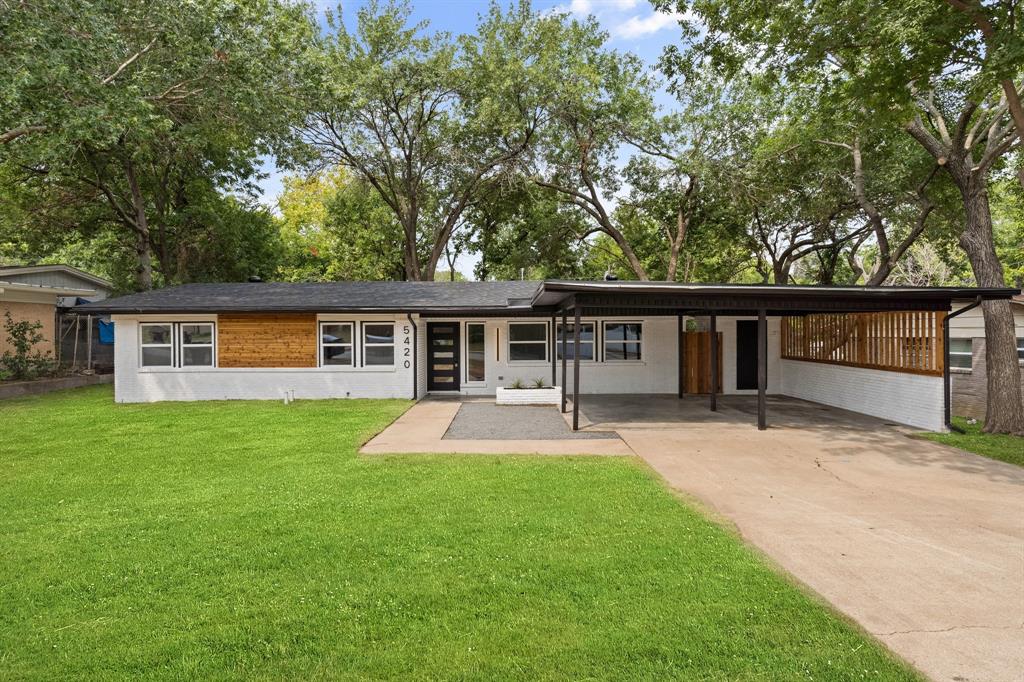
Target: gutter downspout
(415, 358)
(947, 391)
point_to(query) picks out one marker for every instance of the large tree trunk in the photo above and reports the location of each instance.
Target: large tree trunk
(143, 242)
(1005, 410)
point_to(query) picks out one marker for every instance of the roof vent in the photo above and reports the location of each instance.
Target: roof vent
(255, 278)
(610, 276)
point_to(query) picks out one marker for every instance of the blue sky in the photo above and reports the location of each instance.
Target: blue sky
(633, 26)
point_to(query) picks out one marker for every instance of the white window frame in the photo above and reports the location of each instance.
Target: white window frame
(546, 341)
(465, 353)
(960, 353)
(177, 344)
(593, 341)
(616, 342)
(321, 345)
(364, 344)
(170, 344)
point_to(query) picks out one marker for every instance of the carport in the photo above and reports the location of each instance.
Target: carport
(897, 329)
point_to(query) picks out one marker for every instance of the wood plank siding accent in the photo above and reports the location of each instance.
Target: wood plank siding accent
(909, 342)
(270, 340)
(697, 364)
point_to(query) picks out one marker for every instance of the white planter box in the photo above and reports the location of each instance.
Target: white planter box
(528, 396)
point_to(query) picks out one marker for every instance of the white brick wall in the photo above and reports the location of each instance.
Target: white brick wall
(133, 384)
(912, 399)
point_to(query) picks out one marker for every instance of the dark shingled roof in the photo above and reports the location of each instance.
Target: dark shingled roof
(524, 298)
(323, 297)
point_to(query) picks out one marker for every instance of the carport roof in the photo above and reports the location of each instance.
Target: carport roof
(531, 298)
(670, 297)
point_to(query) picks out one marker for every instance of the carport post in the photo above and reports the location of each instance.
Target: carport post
(714, 361)
(554, 355)
(564, 381)
(575, 369)
(762, 367)
(679, 339)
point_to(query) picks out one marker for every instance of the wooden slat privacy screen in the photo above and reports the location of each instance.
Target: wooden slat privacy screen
(908, 342)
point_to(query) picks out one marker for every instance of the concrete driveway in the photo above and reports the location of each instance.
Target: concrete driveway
(921, 544)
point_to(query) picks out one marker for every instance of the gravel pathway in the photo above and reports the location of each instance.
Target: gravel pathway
(487, 421)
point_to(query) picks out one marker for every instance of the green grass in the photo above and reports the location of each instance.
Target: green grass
(238, 540)
(997, 446)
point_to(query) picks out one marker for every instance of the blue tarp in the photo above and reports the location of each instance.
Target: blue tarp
(106, 332)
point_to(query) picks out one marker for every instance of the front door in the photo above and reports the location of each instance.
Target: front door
(442, 356)
(746, 354)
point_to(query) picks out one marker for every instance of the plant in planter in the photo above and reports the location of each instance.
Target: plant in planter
(518, 393)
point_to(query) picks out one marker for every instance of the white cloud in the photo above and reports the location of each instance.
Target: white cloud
(637, 26)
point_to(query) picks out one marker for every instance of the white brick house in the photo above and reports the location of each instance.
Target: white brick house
(878, 351)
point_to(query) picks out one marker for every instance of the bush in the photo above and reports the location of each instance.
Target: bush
(24, 362)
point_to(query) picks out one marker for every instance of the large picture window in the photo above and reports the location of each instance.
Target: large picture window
(475, 357)
(587, 341)
(378, 344)
(337, 347)
(623, 341)
(177, 344)
(960, 353)
(528, 341)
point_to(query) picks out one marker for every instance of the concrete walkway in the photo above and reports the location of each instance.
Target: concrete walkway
(422, 430)
(921, 544)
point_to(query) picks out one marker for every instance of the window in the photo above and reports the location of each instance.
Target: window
(475, 358)
(196, 344)
(336, 344)
(177, 344)
(527, 341)
(157, 345)
(960, 353)
(623, 341)
(1020, 347)
(378, 344)
(586, 341)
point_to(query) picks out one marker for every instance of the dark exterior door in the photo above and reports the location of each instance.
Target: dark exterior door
(746, 354)
(442, 356)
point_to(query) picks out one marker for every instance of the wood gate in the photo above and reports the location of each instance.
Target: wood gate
(697, 362)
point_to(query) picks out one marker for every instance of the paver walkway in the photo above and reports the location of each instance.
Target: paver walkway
(921, 544)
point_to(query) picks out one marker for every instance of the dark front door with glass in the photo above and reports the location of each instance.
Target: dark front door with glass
(442, 356)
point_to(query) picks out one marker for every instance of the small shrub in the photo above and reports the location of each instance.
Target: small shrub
(24, 362)
(538, 383)
(517, 384)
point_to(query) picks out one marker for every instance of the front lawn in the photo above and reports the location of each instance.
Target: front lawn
(241, 539)
(997, 446)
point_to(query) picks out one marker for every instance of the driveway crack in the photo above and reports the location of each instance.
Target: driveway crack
(950, 629)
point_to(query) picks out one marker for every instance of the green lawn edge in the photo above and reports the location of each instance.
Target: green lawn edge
(1003, 447)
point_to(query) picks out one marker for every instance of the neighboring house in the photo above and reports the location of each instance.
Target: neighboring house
(39, 292)
(876, 350)
(60, 277)
(34, 303)
(967, 358)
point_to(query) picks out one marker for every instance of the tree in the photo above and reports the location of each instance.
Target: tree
(922, 66)
(333, 226)
(606, 103)
(427, 120)
(124, 105)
